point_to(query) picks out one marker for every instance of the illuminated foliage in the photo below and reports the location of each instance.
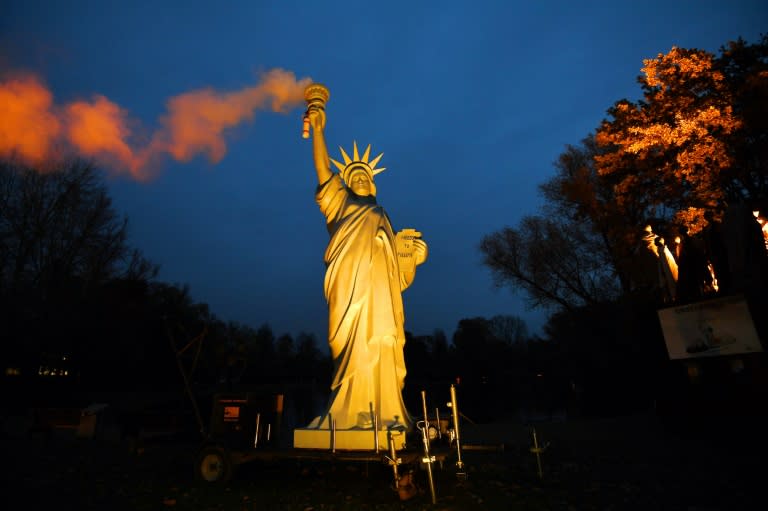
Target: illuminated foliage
(696, 142)
(683, 146)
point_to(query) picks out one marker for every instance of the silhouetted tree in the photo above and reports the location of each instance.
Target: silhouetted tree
(417, 357)
(442, 367)
(508, 329)
(58, 229)
(63, 252)
(286, 356)
(553, 260)
(487, 368)
(311, 365)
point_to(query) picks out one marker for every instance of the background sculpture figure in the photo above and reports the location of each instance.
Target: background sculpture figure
(363, 284)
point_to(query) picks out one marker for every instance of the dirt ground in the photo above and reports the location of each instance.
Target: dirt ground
(625, 463)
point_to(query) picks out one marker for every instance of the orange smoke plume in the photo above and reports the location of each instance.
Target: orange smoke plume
(28, 128)
(196, 122)
(99, 129)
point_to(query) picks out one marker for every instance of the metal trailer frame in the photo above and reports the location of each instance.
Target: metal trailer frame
(246, 428)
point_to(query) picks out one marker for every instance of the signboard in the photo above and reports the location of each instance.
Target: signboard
(722, 326)
(404, 246)
(231, 413)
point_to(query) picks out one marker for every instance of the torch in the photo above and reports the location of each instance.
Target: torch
(316, 96)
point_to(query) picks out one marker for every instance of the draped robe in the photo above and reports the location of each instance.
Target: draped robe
(365, 311)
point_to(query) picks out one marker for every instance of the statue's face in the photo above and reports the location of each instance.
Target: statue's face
(360, 183)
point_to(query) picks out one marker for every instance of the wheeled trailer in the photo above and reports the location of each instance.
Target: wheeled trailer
(246, 427)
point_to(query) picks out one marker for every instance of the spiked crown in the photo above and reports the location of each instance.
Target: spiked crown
(357, 162)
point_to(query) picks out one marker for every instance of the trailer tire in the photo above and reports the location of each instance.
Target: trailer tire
(213, 465)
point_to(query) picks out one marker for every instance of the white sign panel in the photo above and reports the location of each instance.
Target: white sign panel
(722, 326)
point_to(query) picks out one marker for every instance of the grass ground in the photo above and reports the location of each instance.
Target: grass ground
(601, 464)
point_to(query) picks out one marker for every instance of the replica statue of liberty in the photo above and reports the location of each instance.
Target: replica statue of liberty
(367, 268)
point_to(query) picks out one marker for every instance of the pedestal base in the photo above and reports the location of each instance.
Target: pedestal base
(346, 439)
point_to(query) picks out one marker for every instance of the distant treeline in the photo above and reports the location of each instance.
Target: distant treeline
(82, 310)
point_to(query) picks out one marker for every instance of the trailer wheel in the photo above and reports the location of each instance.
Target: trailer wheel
(213, 465)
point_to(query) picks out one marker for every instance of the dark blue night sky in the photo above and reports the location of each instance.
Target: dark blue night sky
(471, 103)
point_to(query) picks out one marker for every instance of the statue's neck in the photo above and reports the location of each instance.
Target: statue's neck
(363, 199)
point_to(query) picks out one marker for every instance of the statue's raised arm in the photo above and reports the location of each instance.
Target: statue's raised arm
(316, 96)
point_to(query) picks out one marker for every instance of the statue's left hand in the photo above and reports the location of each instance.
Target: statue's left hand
(420, 250)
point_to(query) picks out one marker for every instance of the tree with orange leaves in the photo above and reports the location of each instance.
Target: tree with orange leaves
(697, 141)
(685, 147)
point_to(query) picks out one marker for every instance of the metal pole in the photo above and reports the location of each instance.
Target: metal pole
(256, 436)
(428, 459)
(333, 433)
(455, 410)
(278, 417)
(537, 450)
(376, 431)
(426, 417)
(184, 377)
(437, 419)
(393, 460)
